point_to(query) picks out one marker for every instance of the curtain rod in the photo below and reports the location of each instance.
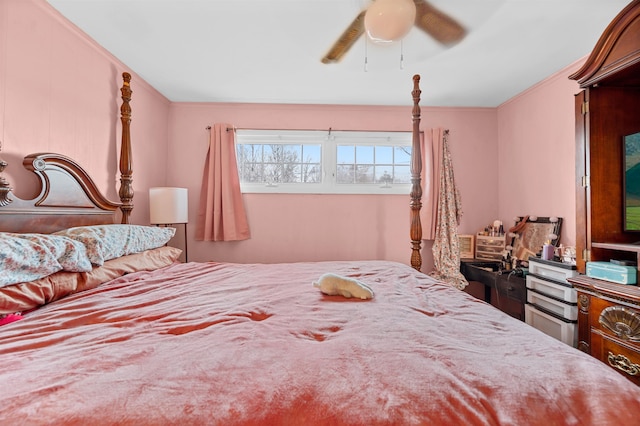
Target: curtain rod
(330, 129)
(228, 128)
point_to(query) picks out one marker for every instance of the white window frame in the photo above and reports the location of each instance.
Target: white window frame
(329, 141)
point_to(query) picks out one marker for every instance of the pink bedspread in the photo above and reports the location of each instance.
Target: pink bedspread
(236, 344)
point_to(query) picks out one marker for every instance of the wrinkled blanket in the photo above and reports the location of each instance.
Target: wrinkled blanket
(231, 344)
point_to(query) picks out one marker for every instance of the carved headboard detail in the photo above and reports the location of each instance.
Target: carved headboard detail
(5, 188)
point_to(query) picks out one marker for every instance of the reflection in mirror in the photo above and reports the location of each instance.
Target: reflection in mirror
(530, 233)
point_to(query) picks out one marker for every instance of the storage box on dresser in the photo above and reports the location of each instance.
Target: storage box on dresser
(489, 247)
(551, 300)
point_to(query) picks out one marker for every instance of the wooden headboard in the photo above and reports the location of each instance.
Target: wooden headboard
(68, 196)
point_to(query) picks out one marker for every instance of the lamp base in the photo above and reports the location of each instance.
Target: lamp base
(185, 251)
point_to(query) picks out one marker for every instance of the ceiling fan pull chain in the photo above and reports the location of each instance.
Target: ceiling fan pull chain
(366, 58)
(401, 55)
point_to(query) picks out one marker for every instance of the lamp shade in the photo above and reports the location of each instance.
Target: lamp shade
(168, 205)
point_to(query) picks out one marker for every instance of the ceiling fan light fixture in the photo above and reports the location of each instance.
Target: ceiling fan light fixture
(387, 21)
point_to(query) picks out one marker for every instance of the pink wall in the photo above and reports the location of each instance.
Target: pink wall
(59, 91)
(536, 134)
(322, 227)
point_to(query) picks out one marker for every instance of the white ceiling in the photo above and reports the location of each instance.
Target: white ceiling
(269, 51)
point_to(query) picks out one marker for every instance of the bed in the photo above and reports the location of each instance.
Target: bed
(136, 337)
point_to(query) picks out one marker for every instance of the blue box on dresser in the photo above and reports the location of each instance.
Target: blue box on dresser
(608, 271)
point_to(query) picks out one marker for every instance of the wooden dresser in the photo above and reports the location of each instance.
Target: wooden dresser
(606, 111)
(609, 323)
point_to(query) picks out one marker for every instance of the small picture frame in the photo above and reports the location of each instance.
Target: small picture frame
(466, 244)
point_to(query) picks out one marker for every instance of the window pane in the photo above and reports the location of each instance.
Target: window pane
(346, 154)
(267, 152)
(384, 155)
(279, 163)
(345, 173)
(292, 153)
(312, 173)
(364, 174)
(249, 153)
(383, 175)
(271, 173)
(251, 172)
(312, 153)
(402, 174)
(364, 154)
(402, 155)
(293, 173)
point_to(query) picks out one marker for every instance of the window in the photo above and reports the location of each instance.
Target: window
(312, 161)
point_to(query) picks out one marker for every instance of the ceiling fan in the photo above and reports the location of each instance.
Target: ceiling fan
(434, 22)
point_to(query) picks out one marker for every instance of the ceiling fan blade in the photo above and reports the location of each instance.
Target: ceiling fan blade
(438, 24)
(346, 40)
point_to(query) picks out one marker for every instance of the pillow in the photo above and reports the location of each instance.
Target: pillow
(105, 242)
(28, 257)
(29, 295)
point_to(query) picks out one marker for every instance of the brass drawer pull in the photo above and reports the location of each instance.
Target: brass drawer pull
(623, 363)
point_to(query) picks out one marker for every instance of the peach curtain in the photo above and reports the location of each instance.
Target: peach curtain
(444, 209)
(431, 144)
(221, 214)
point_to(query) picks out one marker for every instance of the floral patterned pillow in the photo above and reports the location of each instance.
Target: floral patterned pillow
(28, 257)
(105, 242)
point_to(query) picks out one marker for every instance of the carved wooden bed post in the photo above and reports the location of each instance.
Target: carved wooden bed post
(126, 171)
(416, 169)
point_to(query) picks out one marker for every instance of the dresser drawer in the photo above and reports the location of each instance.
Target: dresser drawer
(609, 324)
(562, 330)
(514, 289)
(490, 241)
(550, 271)
(553, 289)
(620, 357)
(612, 319)
(556, 307)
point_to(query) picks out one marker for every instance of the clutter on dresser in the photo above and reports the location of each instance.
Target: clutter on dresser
(530, 234)
(490, 242)
(567, 254)
(490, 247)
(467, 246)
